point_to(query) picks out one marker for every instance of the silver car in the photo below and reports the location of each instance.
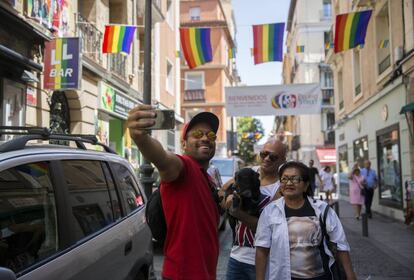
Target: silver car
(71, 213)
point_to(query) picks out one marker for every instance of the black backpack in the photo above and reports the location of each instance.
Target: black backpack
(154, 214)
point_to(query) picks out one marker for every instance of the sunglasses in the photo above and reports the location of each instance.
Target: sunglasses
(293, 179)
(198, 134)
(264, 154)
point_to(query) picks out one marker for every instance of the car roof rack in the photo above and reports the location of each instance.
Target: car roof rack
(44, 133)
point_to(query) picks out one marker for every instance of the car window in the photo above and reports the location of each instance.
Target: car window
(89, 198)
(116, 206)
(130, 192)
(226, 167)
(28, 227)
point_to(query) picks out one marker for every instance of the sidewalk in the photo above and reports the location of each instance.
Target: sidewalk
(387, 252)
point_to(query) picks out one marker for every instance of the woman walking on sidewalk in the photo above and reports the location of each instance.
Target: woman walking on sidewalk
(293, 232)
(356, 190)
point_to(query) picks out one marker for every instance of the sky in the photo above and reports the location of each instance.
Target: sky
(248, 13)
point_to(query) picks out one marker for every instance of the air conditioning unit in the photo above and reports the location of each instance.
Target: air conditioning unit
(398, 52)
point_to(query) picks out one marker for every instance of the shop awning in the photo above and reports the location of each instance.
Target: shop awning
(326, 156)
(407, 108)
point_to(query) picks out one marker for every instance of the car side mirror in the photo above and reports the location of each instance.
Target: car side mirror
(7, 274)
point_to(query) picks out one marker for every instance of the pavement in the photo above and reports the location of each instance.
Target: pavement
(387, 252)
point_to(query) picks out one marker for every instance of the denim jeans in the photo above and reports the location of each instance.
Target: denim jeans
(240, 271)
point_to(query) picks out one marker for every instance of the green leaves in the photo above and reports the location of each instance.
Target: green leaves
(249, 132)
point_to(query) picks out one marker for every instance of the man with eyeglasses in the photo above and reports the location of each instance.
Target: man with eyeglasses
(191, 247)
(241, 265)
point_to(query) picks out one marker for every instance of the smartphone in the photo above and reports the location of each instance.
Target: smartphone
(165, 119)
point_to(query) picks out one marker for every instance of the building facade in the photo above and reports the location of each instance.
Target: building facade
(370, 90)
(110, 84)
(308, 24)
(203, 87)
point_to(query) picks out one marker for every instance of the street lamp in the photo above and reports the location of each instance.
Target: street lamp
(146, 168)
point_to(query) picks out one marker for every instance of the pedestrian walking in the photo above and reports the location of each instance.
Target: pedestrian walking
(371, 180)
(356, 190)
(313, 173)
(241, 265)
(290, 242)
(191, 246)
(328, 182)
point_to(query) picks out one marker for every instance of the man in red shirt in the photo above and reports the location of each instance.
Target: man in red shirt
(191, 247)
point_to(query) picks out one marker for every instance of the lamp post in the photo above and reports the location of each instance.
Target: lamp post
(146, 168)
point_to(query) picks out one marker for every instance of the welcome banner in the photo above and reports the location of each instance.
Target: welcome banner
(62, 63)
(273, 100)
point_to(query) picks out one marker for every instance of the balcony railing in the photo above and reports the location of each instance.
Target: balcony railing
(194, 95)
(358, 90)
(91, 39)
(384, 64)
(117, 64)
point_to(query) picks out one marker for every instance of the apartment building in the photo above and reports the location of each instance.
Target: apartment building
(203, 87)
(371, 88)
(110, 84)
(310, 136)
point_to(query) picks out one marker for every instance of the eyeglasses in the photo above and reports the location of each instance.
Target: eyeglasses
(293, 179)
(198, 134)
(273, 157)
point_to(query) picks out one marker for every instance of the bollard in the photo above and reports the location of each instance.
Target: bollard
(336, 207)
(364, 225)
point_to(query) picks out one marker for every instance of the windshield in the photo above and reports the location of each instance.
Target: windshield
(224, 166)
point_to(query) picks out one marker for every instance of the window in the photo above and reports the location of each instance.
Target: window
(326, 78)
(327, 8)
(170, 78)
(194, 80)
(28, 227)
(89, 198)
(340, 91)
(357, 73)
(169, 15)
(389, 167)
(195, 13)
(343, 169)
(131, 196)
(382, 25)
(361, 150)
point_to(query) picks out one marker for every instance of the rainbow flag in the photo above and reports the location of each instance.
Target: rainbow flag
(350, 30)
(329, 46)
(118, 38)
(268, 42)
(196, 46)
(232, 53)
(300, 49)
(383, 44)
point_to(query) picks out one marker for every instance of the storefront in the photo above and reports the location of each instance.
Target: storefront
(378, 132)
(111, 129)
(19, 72)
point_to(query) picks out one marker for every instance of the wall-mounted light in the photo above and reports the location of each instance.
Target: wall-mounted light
(408, 111)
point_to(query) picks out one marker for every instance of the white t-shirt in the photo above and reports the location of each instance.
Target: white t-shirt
(327, 180)
(248, 254)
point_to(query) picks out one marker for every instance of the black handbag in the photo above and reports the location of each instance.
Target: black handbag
(337, 270)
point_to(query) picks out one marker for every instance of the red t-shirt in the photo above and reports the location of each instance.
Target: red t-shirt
(191, 247)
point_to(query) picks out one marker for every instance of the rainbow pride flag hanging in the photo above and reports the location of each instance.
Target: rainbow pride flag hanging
(350, 30)
(232, 53)
(300, 49)
(196, 46)
(118, 38)
(268, 42)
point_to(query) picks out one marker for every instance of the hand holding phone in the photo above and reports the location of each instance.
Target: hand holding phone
(165, 119)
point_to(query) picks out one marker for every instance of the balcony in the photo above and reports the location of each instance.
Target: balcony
(91, 39)
(117, 64)
(384, 64)
(329, 138)
(194, 95)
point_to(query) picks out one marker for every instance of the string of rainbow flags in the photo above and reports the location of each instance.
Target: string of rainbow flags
(350, 32)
